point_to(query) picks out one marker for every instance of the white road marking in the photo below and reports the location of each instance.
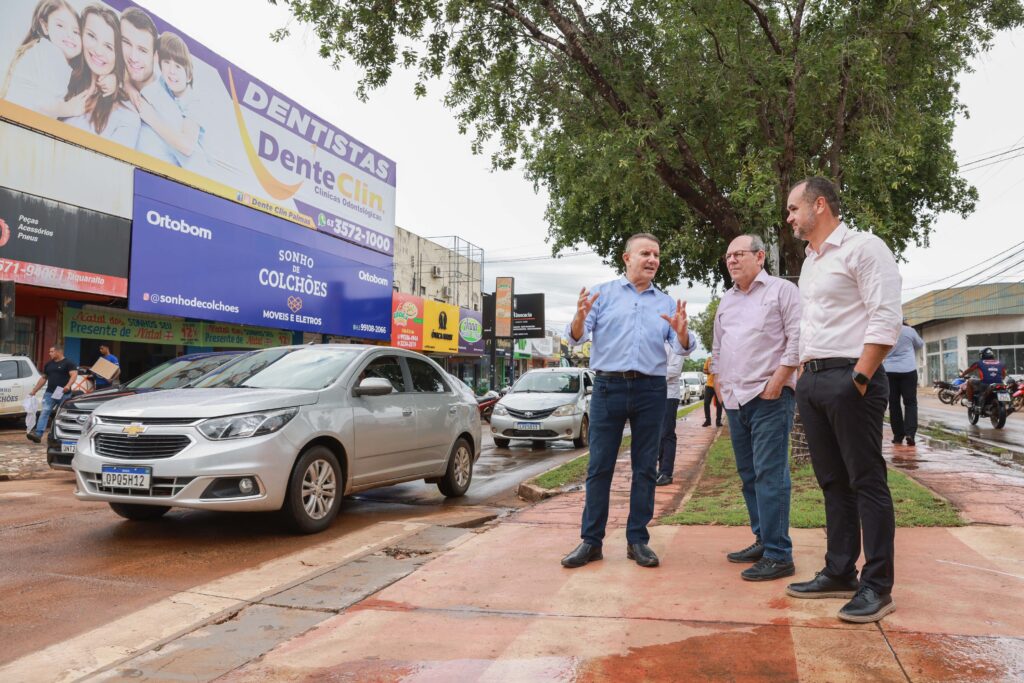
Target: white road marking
(982, 569)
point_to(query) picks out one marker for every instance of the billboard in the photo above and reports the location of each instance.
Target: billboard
(440, 327)
(52, 244)
(471, 332)
(406, 321)
(195, 255)
(504, 291)
(132, 86)
(528, 316)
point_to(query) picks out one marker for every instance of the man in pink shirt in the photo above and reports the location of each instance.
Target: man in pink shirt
(755, 354)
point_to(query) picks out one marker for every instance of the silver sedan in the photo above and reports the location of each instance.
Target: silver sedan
(291, 428)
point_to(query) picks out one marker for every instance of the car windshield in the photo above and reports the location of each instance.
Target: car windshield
(282, 368)
(548, 383)
(179, 372)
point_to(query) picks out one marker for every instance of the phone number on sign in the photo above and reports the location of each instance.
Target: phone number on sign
(363, 327)
(17, 268)
(356, 234)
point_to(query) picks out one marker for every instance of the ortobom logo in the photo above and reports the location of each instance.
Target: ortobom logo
(162, 220)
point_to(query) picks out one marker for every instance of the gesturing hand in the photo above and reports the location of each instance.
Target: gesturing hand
(678, 321)
(585, 303)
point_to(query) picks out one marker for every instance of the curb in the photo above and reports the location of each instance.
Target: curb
(979, 446)
(533, 493)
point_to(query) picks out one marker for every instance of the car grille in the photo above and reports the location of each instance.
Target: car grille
(529, 433)
(67, 424)
(530, 414)
(141, 447)
(149, 421)
(160, 487)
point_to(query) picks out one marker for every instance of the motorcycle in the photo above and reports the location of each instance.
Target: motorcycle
(1016, 390)
(485, 404)
(993, 403)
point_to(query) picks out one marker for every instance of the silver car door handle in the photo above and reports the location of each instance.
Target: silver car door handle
(406, 412)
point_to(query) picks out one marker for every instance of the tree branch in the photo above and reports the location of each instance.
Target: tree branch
(762, 19)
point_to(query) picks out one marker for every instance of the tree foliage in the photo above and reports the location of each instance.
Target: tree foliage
(691, 118)
(703, 324)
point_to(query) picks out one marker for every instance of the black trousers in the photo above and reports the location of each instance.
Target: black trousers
(844, 434)
(709, 393)
(903, 386)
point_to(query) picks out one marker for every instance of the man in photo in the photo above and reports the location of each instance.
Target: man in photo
(58, 373)
(139, 43)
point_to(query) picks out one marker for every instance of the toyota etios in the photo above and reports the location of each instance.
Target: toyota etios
(290, 428)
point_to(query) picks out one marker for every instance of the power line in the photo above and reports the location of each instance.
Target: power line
(992, 156)
(993, 163)
(933, 282)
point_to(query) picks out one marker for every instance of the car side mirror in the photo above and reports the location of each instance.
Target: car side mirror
(374, 386)
(589, 390)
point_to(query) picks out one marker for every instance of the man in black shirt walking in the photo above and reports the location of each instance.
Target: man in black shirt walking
(59, 372)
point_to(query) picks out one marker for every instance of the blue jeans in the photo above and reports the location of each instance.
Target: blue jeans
(616, 400)
(760, 439)
(667, 454)
(49, 406)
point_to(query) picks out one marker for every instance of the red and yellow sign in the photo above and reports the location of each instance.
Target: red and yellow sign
(406, 321)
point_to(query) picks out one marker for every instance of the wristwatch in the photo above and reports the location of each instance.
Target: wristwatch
(860, 378)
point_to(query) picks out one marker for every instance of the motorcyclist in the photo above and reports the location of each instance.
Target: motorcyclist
(988, 370)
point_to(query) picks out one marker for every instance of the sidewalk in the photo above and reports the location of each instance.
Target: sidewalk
(20, 458)
(499, 607)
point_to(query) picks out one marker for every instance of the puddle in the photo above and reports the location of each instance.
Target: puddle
(959, 658)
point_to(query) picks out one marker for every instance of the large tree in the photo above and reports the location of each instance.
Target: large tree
(692, 118)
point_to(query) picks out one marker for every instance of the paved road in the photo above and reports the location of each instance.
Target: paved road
(70, 567)
(955, 417)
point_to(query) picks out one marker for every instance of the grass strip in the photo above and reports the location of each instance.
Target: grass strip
(718, 498)
(576, 469)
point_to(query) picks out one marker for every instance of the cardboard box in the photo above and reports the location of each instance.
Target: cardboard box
(104, 368)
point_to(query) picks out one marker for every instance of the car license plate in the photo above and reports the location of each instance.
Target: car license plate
(1003, 396)
(527, 426)
(68, 447)
(126, 477)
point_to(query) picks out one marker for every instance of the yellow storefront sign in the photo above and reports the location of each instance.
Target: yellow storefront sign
(440, 327)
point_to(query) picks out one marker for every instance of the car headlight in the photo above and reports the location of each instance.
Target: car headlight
(250, 424)
(500, 409)
(564, 411)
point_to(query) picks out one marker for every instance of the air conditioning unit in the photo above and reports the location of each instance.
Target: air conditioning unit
(435, 271)
(446, 292)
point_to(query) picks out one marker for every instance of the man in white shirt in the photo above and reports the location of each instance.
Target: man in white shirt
(901, 367)
(667, 449)
(850, 298)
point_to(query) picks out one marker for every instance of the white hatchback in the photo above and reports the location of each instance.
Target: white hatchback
(18, 375)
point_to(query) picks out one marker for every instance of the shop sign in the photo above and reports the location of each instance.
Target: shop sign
(440, 327)
(504, 291)
(523, 349)
(528, 316)
(258, 147)
(52, 244)
(488, 315)
(471, 332)
(114, 324)
(406, 321)
(198, 256)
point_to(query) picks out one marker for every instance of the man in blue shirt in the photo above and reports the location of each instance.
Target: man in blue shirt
(106, 355)
(901, 369)
(628, 322)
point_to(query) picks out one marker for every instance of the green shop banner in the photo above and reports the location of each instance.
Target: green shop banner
(113, 324)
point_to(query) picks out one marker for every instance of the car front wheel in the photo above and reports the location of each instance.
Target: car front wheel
(139, 513)
(314, 491)
(459, 474)
(583, 440)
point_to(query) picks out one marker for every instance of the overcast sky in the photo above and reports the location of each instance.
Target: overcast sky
(443, 189)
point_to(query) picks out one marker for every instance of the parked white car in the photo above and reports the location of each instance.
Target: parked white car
(696, 381)
(545, 405)
(292, 428)
(18, 374)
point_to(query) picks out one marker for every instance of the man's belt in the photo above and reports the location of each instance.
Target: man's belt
(820, 364)
(628, 374)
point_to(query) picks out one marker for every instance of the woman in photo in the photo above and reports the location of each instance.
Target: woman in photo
(107, 110)
(41, 69)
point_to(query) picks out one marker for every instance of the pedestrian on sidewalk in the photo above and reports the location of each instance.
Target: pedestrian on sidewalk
(901, 368)
(58, 373)
(850, 296)
(755, 353)
(667, 448)
(628, 321)
(711, 394)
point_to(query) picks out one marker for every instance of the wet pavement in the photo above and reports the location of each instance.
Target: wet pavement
(930, 409)
(397, 596)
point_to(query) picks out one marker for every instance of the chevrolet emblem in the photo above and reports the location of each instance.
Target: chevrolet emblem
(529, 413)
(133, 430)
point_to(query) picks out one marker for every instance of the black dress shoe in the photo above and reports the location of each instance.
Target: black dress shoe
(867, 606)
(707, 423)
(897, 441)
(910, 441)
(663, 479)
(642, 554)
(767, 569)
(32, 436)
(823, 586)
(583, 554)
(718, 423)
(752, 553)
